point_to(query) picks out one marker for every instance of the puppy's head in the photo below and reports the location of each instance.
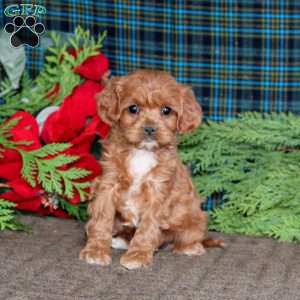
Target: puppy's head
(149, 108)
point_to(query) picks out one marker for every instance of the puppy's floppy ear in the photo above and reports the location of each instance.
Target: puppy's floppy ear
(109, 101)
(190, 115)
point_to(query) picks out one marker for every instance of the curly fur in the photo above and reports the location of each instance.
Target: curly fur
(145, 195)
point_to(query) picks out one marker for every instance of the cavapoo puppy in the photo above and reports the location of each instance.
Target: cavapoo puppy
(145, 197)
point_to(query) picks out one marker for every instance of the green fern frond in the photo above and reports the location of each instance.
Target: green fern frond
(69, 178)
(253, 161)
(39, 168)
(75, 173)
(8, 216)
(79, 211)
(8, 126)
(5, 136)
(62, 160)
(33, 95)
(29, 168)
(50, 149)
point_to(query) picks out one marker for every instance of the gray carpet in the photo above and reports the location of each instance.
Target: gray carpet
(44, 265)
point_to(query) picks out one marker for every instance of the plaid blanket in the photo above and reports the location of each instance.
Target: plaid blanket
(237, 55)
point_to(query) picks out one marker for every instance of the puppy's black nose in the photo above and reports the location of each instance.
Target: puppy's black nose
(149, 130)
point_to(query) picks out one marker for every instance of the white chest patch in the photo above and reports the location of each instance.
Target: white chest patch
(140, 163)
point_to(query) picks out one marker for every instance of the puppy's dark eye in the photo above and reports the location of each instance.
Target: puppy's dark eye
(134, 109)
(166, 110)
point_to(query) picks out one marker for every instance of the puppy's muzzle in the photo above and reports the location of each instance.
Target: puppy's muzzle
(149, 131)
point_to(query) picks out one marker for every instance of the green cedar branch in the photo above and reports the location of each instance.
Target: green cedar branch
(47, 166)
(78, 211)
(33, 94)
(8, 217)
(254, 162)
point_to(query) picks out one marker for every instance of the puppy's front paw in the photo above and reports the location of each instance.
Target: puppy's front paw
(96, 255)
(136, 259)
(193, 249)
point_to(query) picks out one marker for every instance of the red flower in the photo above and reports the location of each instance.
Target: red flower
(30, 198)
(25, 130)
(77, 113)
(75, 122)
(93, 68)
(26, 197)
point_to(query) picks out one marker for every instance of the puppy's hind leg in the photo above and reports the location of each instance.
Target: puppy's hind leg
(189, 236)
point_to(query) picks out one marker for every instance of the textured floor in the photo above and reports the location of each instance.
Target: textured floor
(44, 265)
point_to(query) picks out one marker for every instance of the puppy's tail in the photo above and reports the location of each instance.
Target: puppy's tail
(213, 243)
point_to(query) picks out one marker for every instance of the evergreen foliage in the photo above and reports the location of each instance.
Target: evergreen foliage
(33, 94)
(5, 136)
(46, 166)
(254, 162)
(78, 211)
(8, 217)
(38, 168)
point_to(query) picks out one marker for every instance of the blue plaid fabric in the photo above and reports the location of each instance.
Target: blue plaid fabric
(239, 55)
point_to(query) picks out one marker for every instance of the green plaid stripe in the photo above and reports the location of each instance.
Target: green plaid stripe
(239, 55)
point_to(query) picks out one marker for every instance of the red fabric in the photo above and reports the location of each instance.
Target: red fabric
(26, 130)
(73, 115)
(30, 199)
(93, 68)
(75, 122)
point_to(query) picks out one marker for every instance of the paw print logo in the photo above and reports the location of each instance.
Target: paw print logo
(24, 31)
